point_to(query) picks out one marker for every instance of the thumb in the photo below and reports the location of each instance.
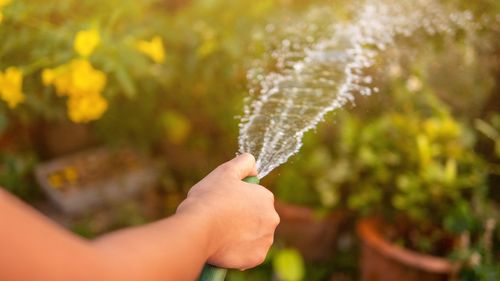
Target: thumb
(242, 166)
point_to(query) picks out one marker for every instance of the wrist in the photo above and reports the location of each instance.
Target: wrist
(203, 222)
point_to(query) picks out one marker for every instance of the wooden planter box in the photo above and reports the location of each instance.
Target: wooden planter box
(97, 177)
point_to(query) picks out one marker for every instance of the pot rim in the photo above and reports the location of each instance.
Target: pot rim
(367, 230)
(293, 211)
(299, 212)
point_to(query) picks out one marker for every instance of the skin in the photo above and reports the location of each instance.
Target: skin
(223, 221)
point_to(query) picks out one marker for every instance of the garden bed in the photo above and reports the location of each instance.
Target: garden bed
(82, 181)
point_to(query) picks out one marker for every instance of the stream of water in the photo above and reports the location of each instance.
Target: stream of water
(315, 66)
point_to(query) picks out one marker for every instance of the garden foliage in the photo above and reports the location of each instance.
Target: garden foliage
(170, 76)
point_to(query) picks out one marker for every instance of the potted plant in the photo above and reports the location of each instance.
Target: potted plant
(15, 173)
(308, 194)
(420, 188)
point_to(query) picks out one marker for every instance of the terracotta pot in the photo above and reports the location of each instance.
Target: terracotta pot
(382, 260)
(63, 138)
(16, 136)
(7, 140)
(314, 236)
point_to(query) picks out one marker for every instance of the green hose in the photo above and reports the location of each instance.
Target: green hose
(213, 273)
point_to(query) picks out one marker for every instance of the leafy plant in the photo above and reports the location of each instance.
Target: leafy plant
(15, 173)
(417, 166)
(476, 257)
(313, 179)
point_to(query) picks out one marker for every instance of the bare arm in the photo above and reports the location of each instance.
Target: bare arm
(223, 220)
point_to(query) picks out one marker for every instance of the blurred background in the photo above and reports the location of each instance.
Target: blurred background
(111, 110)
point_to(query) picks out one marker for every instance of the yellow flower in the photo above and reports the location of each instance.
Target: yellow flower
(3, 3)
(85, 78)
(83, 85)
(153, 49)
(63, 82)
(78, 77)
(11, 82)
(86, 41)
(85, 108)
(59, 77)
(48, 77)
(55, 180)
(71, 174)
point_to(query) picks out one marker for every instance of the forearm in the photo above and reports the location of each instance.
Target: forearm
(34, 248)
(172, 249)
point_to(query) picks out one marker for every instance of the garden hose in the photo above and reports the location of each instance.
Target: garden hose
(213, 273)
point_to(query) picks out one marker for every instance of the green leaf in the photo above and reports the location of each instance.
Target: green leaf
(177, 127)
(3, 122)
(460, 219)
(125, 82)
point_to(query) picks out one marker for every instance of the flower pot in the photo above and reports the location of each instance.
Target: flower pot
(313, 235)
(7, 140)
(382, 260)
(63, 138)
(17, 136)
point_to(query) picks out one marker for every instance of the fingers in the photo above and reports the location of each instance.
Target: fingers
(241, 166)
(265, 194)
(247, 212)
(256, 255)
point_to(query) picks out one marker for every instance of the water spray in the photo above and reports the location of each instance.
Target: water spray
(318, 68)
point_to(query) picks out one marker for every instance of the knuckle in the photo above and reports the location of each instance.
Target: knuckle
(267, 194)
(268, 239)
(276, 219)
(181, 206)
(270, 242)
(225, 168)
(260, 257)
(257, 258)
(248, 157)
